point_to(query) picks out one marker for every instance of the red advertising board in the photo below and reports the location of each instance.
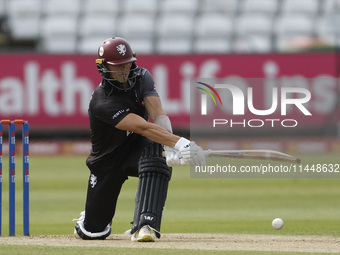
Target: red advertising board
(53, 91)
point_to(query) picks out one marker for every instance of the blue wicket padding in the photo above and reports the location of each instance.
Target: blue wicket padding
(11, 152)
(0, 178)
(25, 171)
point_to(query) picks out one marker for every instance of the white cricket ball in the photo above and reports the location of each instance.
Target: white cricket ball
(277, 223)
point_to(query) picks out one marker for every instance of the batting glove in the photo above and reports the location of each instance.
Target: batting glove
(190, 153)
(171, 156)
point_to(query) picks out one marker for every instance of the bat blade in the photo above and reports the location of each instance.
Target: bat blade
(254, 154)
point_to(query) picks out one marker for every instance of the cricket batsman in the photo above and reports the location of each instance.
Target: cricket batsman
(125, 143)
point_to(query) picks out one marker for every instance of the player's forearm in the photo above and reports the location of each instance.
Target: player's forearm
(154, 132)
(159, 135)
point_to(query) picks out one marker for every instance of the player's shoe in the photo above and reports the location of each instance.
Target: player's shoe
(75, 232)
(81, 233)
(82, 218)
(143, 235)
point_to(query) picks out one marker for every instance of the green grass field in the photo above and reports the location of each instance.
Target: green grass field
(243, 206)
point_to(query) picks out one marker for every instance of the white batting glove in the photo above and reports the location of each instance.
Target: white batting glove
(171, 156)
(190, 153)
